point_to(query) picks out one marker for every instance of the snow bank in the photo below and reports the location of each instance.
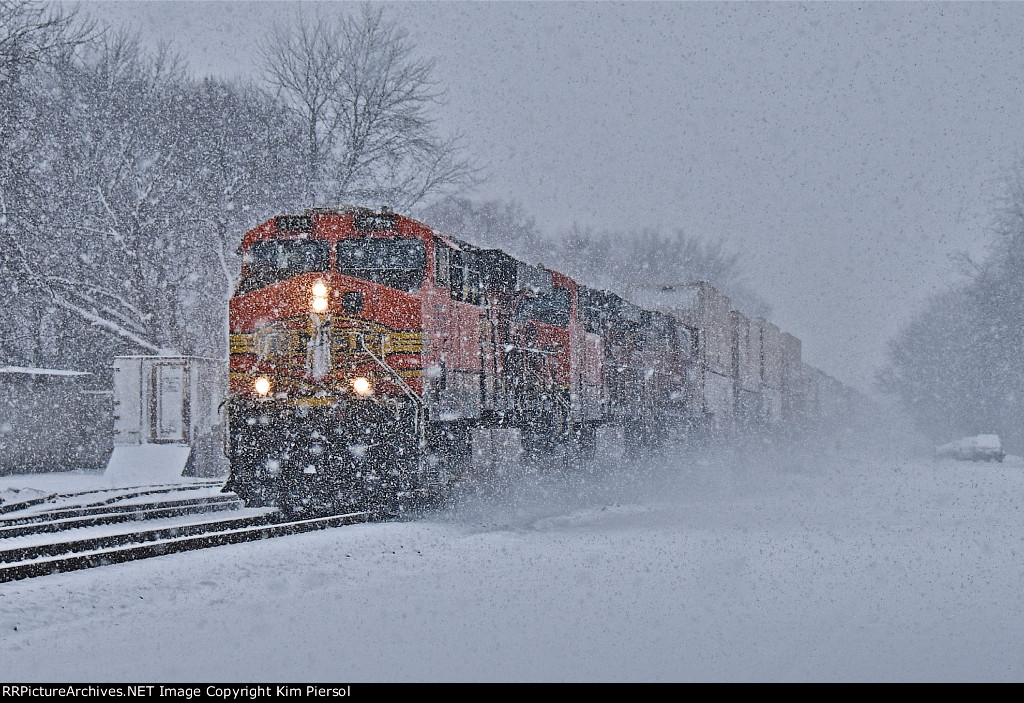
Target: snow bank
(138, 464)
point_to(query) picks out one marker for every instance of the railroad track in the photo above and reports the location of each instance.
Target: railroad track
(31, 546)
(74, 518)
(103, 496)
(30, 561)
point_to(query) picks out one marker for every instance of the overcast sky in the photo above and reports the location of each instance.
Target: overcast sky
(847, 149)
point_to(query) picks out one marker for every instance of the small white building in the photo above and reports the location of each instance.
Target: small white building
(167, 417)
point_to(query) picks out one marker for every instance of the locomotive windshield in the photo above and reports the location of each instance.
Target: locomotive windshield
(396, 263)
(276, 260)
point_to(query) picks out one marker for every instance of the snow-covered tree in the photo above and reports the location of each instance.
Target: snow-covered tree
(125, 184)
(134, 185)
(956, 366)
(366, 104)
(31, 34)
(33, 38)
(496, 224)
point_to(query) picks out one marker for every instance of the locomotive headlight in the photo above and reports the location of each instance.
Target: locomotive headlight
(319, 296)
(262, 385)
(362, 385)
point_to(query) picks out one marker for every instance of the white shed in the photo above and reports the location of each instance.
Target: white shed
(167, 418)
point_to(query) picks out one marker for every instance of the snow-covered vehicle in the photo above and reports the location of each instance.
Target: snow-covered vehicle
(982, 447)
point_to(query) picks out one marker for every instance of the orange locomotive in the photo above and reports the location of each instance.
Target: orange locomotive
(365, 347)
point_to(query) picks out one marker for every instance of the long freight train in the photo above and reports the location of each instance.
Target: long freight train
(366, 348)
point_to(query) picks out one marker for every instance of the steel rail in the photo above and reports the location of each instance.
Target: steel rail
(122, 493)
(161, 542)
(96, 509)
(92, 517)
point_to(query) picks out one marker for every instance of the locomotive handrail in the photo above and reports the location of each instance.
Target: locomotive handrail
(417, 400)
(565, 404)
(533, 350)
(409, 392)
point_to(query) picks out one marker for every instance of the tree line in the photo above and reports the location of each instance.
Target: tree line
(956, 366)
(126, 183)
(632, 263)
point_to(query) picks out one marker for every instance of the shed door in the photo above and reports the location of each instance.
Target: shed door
(169, 400)
(129, 424)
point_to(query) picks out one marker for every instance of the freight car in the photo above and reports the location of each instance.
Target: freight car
(365, 348)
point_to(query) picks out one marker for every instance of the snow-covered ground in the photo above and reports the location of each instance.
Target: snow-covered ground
(824, 564)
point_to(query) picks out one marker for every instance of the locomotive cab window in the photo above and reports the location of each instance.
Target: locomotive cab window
(276, 260)
(551, 308)
(395, 263)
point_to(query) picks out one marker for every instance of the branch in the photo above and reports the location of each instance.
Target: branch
(102, 323)
(86, 291)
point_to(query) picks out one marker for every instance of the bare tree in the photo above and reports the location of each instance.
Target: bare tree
(641, 263)
(31, 34)
(955, 366)
(303, 62)
(493, 223)
(33, 37)
(134, 191)
(365, 100)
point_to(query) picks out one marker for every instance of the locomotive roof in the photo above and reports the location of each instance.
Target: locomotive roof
(333, 224)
